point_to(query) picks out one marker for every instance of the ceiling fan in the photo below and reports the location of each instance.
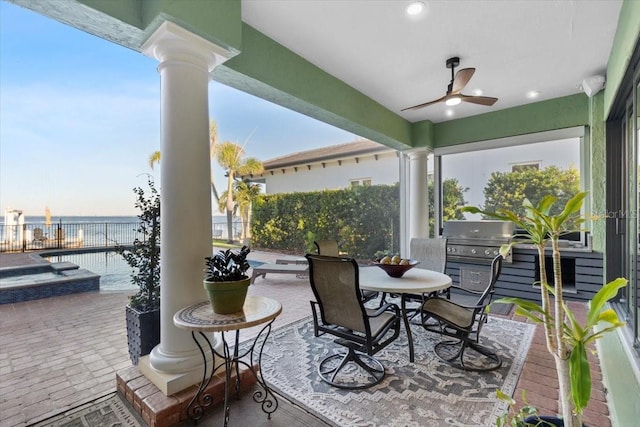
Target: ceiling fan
(453, 95)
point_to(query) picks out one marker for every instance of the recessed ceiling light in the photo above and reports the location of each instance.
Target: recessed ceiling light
(477, 92)
(533, 94)
(453, 101)
(415, 8)
(449, 112)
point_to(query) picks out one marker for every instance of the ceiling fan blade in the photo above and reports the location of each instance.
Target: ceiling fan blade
(482, 100)
(415, 107)
(461, 79)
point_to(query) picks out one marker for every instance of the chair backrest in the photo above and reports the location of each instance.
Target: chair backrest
(60, 235)
(334, 281)
(431, 253)
(327, 247)
(487, 294)
(38, 234)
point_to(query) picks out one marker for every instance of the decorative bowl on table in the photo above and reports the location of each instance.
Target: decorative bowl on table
(397, 270)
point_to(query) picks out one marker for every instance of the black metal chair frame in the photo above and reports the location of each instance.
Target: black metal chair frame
(330, 247)
(465, 328)
(361, 345)
(439, 266)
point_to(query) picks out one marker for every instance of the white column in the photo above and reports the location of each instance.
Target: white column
(418, 200)
(185, 63)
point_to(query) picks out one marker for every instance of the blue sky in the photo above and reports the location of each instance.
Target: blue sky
(79, 117)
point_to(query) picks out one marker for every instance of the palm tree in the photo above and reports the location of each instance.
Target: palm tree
(230, 157)
(154, 158)
(245, 193)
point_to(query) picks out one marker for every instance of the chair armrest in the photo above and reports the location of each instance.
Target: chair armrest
(386, 307)
(459, 289)
(468, 307)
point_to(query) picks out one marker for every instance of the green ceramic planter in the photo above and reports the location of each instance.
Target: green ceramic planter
(227, 297)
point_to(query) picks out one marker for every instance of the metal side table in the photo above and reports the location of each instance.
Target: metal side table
(200, 318)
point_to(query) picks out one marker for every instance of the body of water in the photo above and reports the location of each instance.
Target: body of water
(84, 231)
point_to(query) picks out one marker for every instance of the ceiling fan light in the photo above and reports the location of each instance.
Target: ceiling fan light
(453, 101)
(415, 8)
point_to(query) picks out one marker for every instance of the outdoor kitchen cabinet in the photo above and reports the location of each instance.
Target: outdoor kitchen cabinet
(582, 272)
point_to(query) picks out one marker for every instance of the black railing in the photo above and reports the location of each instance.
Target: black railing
(39, 236)
(27, 237)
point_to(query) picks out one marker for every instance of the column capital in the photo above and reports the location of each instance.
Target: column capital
(172, 42)
(418, 153)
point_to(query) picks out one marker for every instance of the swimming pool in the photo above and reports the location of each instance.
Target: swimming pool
(69, 273)
(114, 272)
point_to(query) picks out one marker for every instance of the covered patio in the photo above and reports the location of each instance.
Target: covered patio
(269, 49)
(44, 377)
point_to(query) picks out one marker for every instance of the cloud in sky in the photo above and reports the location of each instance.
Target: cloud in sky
(79, 117)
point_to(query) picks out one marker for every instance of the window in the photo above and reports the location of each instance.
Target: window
(623, 200)
(490, 179)
(524, 166)
(357, 182)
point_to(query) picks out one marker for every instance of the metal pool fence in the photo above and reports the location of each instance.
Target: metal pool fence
(69, 235)
(25, 237)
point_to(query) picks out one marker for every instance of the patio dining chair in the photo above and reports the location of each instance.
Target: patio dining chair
(339, 310)
(38, 235)
(463, 324)
(327, 247)
(431, 255)
(330, 248)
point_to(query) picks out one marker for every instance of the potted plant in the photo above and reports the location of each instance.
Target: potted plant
(143, 256)
(566, 338)
(226, 281)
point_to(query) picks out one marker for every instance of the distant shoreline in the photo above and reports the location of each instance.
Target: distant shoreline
(55, 219)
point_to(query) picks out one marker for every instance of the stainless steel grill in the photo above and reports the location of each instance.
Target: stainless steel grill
(476, 241)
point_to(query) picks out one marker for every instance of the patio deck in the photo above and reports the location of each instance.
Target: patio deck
(52, 359)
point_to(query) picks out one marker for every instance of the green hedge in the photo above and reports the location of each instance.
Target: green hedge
(363, 219)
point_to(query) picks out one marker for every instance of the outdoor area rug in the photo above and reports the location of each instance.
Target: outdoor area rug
(425, 393)
(108, 411)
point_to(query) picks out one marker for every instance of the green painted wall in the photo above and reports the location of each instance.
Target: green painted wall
(422, 134)
(618, 376)
(627, 35)
(558, 113)
(598, 159)
(128, 11)
(218, 21)
(270, 71)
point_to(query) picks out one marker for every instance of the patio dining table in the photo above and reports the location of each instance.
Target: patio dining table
(414, 281)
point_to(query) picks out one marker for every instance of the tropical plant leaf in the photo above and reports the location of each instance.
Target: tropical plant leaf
(580, 375)
(576, 331)
(545, 205)
(573, 206)
(607, 292)
(505, 397)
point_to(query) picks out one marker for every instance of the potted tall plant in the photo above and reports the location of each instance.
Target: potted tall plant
(143, 256)
(226, 281)
(566, 338)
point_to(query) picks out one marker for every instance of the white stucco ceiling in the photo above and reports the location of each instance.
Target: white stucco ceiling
(515, 45)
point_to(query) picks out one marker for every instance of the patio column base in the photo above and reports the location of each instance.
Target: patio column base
(168, 383)
(159, 410)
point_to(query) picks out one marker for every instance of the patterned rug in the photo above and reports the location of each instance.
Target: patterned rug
(425, 393)
(108, 411)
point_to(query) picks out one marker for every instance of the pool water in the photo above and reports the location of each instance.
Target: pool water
(114, 272)
(28, 279)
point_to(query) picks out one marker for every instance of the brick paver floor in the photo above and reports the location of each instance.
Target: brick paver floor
(58, 353)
